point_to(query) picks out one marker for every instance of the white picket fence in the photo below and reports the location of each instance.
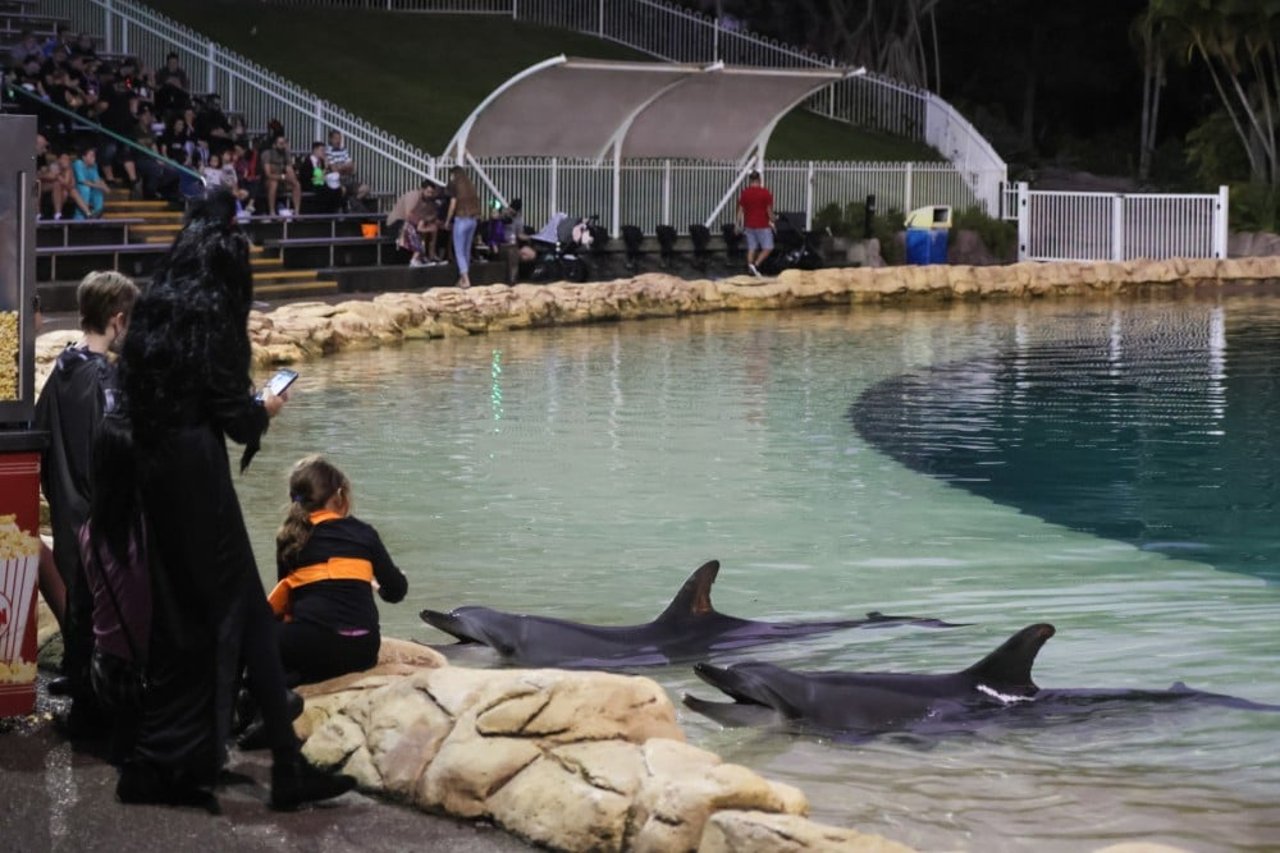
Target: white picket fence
(666, 31)
(683, 193)
(1082, 226)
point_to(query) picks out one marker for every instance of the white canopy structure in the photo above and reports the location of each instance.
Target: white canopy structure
(594, 108)
(598, 109)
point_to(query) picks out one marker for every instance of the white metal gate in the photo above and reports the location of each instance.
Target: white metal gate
(1083, 226)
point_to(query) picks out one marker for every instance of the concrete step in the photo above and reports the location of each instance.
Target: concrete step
(152, 229)
(278, 275)
(291, 289)
(261, 262)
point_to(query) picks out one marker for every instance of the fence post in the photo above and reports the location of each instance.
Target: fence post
(666, 192)
(600, 21)
(715, 41)
(808, 199)
(1220, 211)
(907, 189)
(211, 78)
(109, 25)
(515, 10)
(1024, 220)
(319, 134)
(554, 188)
(617, 191)
(1117, 227)
(124, 34)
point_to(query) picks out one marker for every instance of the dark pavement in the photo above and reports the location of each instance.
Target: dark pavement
(55, 799)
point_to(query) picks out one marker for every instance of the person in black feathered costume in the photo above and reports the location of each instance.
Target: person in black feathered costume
(184, 373)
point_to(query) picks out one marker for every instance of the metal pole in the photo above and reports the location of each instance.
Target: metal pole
(554, 189)
(1117, 227)
(907, 189)
(109, 26)
(1220, 216)
(808, 199)
(211, 79)
(617, 189)
(666, 192)
(1024, 220)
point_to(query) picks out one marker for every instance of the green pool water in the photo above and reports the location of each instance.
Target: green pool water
(994, 464)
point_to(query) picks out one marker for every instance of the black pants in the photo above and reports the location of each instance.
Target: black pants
(314, 653)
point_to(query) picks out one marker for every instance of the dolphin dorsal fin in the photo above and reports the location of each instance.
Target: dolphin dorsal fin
(1010, 665)
(694, 598)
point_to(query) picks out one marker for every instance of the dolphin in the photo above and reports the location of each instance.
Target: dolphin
(996, 689)
(690, 628)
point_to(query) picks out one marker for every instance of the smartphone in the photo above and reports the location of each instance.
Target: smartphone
(278, 384)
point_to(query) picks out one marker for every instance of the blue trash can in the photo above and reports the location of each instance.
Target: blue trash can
(927, 232)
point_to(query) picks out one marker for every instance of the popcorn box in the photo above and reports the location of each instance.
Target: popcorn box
(19, 568)
(19, 574)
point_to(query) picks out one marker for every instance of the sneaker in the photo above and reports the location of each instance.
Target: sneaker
(294, 782)
(416, 261)
(755, 272)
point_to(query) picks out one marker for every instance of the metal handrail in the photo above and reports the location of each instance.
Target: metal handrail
(11, 90)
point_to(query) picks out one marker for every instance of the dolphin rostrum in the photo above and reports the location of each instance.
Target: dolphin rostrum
(690, 628)
(996, 689)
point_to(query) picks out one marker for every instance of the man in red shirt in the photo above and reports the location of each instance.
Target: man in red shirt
(755, 218)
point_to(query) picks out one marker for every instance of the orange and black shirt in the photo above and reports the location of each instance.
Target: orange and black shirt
(329, 582)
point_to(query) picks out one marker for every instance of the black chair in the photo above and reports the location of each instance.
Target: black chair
(632, 237)
(732, 241)
(701, 237)
(666, 244)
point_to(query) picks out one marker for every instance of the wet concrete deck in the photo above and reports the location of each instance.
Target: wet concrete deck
(53, 798)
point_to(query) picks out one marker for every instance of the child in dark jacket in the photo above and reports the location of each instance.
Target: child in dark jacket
(329, 565)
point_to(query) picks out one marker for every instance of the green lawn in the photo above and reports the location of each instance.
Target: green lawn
(419, 76)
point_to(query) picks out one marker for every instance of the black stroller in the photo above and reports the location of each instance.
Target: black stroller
(793, 247)
(562, 245)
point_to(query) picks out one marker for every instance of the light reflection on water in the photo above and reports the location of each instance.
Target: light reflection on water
(583, 473)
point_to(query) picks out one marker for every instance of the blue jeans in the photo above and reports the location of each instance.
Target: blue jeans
(464, 234)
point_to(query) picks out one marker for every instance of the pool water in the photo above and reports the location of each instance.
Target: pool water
(1106, 467)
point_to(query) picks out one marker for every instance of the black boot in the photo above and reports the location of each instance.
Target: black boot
(294, 782)
(255, 734)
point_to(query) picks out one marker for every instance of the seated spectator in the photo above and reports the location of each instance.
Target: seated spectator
(84, 46)
(217, 174)
(159, 179)
(339, 160)
(419, 216)
(210, 118)
(53, 192)
(362, 200)
(29, 46)
(277, 169)
(178, 142)
(91, 192)
(248, 176)
(322, 182)
(117, 111)
(61, 39)
(172, 87)
(329, 565)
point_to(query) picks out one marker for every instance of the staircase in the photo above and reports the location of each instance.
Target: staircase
(161, 223)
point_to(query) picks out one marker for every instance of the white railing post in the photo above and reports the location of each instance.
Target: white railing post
(808, 198)
(515, 10)
(617, 191)
(124, 34)
(907, 189)
(666, 192)
(319, 132)
(109, 22)
(1117, 227)
(211, 77)
(553, 180)
(715, 41)
(1220, 215)
(600, 20)
(1024, 220)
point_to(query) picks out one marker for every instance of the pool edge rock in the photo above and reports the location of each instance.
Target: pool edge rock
(306, 330)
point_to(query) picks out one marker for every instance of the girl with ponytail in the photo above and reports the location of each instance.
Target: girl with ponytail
(329, 564)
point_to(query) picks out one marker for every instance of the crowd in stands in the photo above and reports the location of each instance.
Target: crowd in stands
(116, 97)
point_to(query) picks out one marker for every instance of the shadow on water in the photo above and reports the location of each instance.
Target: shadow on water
(1157, 434)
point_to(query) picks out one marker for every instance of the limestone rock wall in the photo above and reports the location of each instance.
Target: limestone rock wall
(568, 760)
(300, 331)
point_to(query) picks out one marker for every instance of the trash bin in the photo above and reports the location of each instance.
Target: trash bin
(927, 230)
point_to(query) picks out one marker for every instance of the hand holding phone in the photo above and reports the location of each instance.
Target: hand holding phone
(279, 383)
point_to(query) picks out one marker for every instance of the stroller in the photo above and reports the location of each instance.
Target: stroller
(793, 248)
(562, 244)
